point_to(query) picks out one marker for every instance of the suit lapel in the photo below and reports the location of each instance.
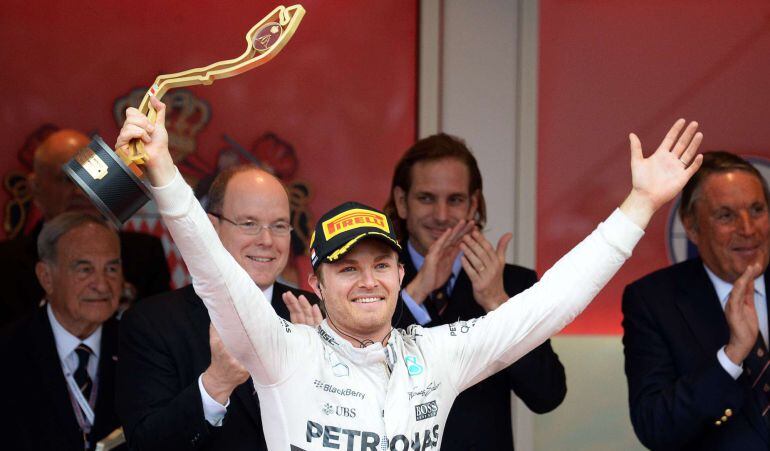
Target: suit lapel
(703, 313)
(47, 360)
(403, 316)
(700, 307)
(277, 301)
(105, 400)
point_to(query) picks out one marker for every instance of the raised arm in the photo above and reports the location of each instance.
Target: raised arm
(249, 327)
(481, 347)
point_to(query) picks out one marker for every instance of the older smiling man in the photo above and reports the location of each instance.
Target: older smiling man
(696, 363)
(354, 382)
(60, 363)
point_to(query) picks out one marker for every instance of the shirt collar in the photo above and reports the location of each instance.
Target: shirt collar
(268, 292)
(66, 342)
(418, 260)
(723, 288)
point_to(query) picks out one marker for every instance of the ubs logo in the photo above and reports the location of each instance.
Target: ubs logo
(678, 246)
(427, 410)
(340, 411)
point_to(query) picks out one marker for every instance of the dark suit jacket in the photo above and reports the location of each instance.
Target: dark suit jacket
(37, 412)
(673, 327)
(480, 418)
(164, 348)
(144, 266)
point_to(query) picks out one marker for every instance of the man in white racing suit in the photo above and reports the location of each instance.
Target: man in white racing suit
(353, 383)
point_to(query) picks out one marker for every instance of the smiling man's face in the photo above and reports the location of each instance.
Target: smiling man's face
(84, 283)
(360, 289)
(437, 200)
(255, 196)
(730, 224)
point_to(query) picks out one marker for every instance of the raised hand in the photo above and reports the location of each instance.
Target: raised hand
(437, 266)
(300, 310)
(484, 265)
(160, 166)
(741, 316)
(224, 373)
(660, 177)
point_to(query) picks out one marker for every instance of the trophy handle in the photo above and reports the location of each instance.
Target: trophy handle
(263, 42)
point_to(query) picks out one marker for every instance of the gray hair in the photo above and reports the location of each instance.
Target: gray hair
(59, 226)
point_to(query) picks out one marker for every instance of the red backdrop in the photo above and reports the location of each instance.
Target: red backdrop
(342, 92)
(609, 68)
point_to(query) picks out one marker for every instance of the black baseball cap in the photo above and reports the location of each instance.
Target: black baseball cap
(343, 226)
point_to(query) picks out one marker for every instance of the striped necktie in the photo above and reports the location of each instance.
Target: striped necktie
(81, 373)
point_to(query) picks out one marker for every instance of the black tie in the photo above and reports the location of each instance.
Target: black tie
(81, 373)
(439, 299)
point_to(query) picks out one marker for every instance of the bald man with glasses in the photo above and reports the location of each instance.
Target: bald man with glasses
(178, 388)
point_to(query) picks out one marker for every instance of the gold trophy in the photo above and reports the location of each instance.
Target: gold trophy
(111, 179)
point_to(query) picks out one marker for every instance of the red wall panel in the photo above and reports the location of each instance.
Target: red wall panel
(609, 68)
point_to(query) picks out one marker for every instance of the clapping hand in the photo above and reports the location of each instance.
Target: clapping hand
(484, 265)
(741, 316)
(437, 266)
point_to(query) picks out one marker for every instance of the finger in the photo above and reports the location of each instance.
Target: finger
(743, 288)
(488, 252)
(636, 147)
(439, 244)
(304, 305)
(132, 131)
(318, 317)
(471, 256)
(670, 139)
(470, 271)
(502, 245)
(295, 314)
(694, 166)
(691, 150)
(684, 141)
(160, 109)
(458, 231)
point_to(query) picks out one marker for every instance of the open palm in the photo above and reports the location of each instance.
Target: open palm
(663, 174)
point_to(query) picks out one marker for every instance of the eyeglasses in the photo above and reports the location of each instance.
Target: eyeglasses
(249, 227)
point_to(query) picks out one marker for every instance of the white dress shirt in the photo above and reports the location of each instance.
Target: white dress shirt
(419, 311)
(66, 343)
(213, 411)
(723, 290)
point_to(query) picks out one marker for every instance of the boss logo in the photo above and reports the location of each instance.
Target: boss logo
(427, 410)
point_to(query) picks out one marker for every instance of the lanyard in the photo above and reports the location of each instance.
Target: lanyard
(80, 404)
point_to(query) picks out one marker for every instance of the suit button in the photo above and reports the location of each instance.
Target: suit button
(728, 412)
(718, 423)
(724, 419)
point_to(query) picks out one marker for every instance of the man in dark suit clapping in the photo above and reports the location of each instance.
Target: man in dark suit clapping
(696, 333)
